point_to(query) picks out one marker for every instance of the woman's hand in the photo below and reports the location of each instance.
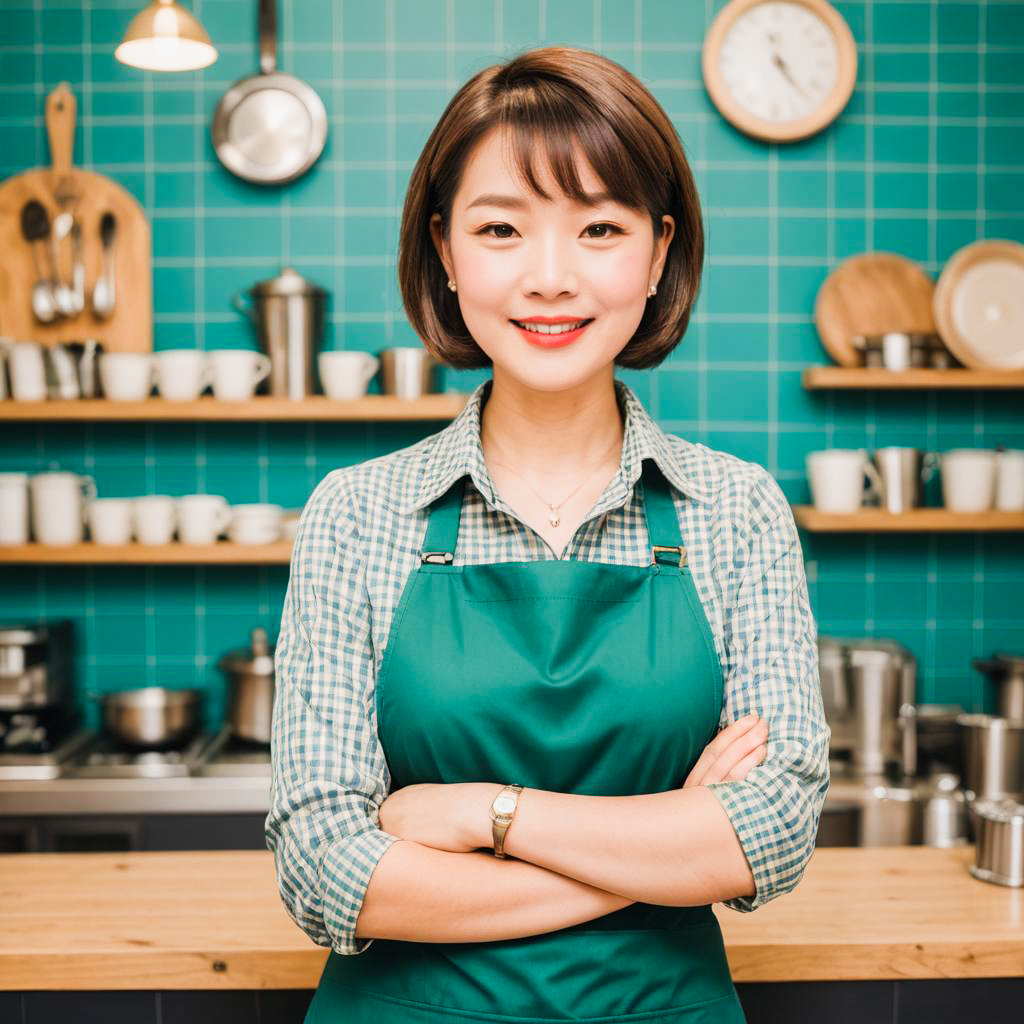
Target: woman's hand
(732, 753)
(436, 814)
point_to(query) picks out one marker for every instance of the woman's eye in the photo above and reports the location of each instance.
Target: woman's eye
(612, 229)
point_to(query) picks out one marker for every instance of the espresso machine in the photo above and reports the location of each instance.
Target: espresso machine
(892, 762)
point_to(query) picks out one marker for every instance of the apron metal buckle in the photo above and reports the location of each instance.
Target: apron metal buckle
(670, 547)
(437, 557)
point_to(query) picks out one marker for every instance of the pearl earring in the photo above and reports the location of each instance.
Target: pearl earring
(451, 284)
(652, 290)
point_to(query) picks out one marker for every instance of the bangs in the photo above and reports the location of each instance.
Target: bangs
(546, 123)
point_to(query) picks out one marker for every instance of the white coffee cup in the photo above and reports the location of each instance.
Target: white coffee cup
(57, 506)
(127, 376)
(28, 371)
(14, 508)
(202, 518)
(968, 479)
(154, 518)
(1010, 480)
(182, 374)
(345, 375)
(836, 477)
(257, 523)
(237, 372)
(110, 520)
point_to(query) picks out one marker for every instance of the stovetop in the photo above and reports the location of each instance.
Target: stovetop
(29, 751)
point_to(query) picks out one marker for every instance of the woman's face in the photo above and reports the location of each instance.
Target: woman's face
(547, 258)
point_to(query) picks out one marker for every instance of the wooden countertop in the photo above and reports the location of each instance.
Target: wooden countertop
(213, 920)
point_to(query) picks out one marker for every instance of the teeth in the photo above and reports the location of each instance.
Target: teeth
(550, 328)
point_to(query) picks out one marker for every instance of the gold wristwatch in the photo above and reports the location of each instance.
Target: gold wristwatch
(503, 810)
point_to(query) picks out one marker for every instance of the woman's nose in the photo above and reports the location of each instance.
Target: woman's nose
(551, 268)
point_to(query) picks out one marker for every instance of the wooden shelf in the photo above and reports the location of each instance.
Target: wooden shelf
(874, 520)
(821, 378)
(444, 406)
(87, 553)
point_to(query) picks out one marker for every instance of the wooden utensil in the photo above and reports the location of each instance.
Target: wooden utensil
(87, 195)
(871, 293)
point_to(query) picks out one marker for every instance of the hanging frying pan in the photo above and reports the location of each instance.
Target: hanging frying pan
(269, 128)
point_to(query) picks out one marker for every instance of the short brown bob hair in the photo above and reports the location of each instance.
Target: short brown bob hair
(560, 95)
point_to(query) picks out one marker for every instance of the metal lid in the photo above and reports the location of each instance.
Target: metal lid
(257, 660)
(1004, 809)
(288, 282)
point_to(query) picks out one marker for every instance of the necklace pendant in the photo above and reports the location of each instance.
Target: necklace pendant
(554, 519)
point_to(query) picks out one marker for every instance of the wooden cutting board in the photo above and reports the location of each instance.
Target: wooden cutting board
(88, 196)
(871, 293)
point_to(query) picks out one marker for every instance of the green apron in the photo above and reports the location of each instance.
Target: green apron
(564, 675)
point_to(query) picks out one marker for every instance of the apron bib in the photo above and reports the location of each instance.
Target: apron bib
(564, 675)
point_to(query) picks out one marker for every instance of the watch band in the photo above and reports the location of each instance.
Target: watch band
(503, 810)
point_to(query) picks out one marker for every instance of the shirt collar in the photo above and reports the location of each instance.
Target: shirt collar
(457, 450)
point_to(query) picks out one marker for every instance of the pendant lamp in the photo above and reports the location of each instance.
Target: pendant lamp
(166, 37)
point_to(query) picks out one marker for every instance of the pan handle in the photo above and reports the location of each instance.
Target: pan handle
(268, 36)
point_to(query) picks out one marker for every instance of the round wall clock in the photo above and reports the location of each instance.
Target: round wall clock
(779, 70)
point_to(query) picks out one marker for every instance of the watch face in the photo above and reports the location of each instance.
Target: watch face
(780, 61)
(505, 804)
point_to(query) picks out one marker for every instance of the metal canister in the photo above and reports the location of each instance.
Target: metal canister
(944, 815)
(288, 313)
(999, 854)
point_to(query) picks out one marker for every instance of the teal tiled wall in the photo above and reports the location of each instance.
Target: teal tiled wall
(926, 158)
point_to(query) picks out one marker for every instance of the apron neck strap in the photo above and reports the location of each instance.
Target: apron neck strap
(659, 513)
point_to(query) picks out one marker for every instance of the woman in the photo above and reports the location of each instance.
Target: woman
(506, 650)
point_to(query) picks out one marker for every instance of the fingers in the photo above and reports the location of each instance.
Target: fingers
(755, 757)
(727, 750)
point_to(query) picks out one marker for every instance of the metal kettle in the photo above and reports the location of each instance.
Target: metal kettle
(250, 674)
(288, 313)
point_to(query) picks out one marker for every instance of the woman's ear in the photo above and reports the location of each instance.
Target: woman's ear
(437, 234)
(661, 244)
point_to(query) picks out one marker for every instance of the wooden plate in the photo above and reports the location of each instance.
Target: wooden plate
(979, 305)
(871, 293)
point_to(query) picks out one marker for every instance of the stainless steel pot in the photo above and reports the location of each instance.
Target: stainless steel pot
(999, 855)
(151, 716)
(250, 674)
(1005, 671)
(993, 756)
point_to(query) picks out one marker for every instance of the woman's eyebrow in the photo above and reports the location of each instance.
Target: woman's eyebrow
(517, 203)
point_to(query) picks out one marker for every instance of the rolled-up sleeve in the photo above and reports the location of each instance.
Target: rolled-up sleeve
(772, 668)
(328, 774)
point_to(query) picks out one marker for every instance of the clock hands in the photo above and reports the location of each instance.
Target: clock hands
(776, 59)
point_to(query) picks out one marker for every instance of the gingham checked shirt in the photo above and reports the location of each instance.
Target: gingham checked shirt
(358, 539)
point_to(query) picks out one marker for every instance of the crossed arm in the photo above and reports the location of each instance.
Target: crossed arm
(571, 858)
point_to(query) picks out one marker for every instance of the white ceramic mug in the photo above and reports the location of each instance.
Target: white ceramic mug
(182, 374)
(110, 520)
(257, 523)
(14, 508)
(58, 513)
(1010, 480)
(127, 376)
(154, 518)
(237, 372)
(346, 375)
(202, 518)
(28, 371)
(836, 477)
(968, 479)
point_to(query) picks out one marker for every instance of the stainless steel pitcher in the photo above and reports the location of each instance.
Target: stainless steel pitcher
(288, 314)
(903, 472)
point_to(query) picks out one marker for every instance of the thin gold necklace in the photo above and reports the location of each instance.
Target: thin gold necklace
(554, 514)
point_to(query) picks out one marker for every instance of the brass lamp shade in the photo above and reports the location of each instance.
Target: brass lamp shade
(166, 37)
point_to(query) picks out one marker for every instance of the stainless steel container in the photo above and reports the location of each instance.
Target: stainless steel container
(151, 716)
(408, 372)
(250, 674)
(903, 473)
(999, 852)
(72, 369)
(1006, 672)
(288, 313)
(993, 756)
(944, 811)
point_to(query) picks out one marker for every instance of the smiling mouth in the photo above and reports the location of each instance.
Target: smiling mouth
(548, 329)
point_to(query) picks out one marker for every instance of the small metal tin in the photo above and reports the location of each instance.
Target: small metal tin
(999, 852)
